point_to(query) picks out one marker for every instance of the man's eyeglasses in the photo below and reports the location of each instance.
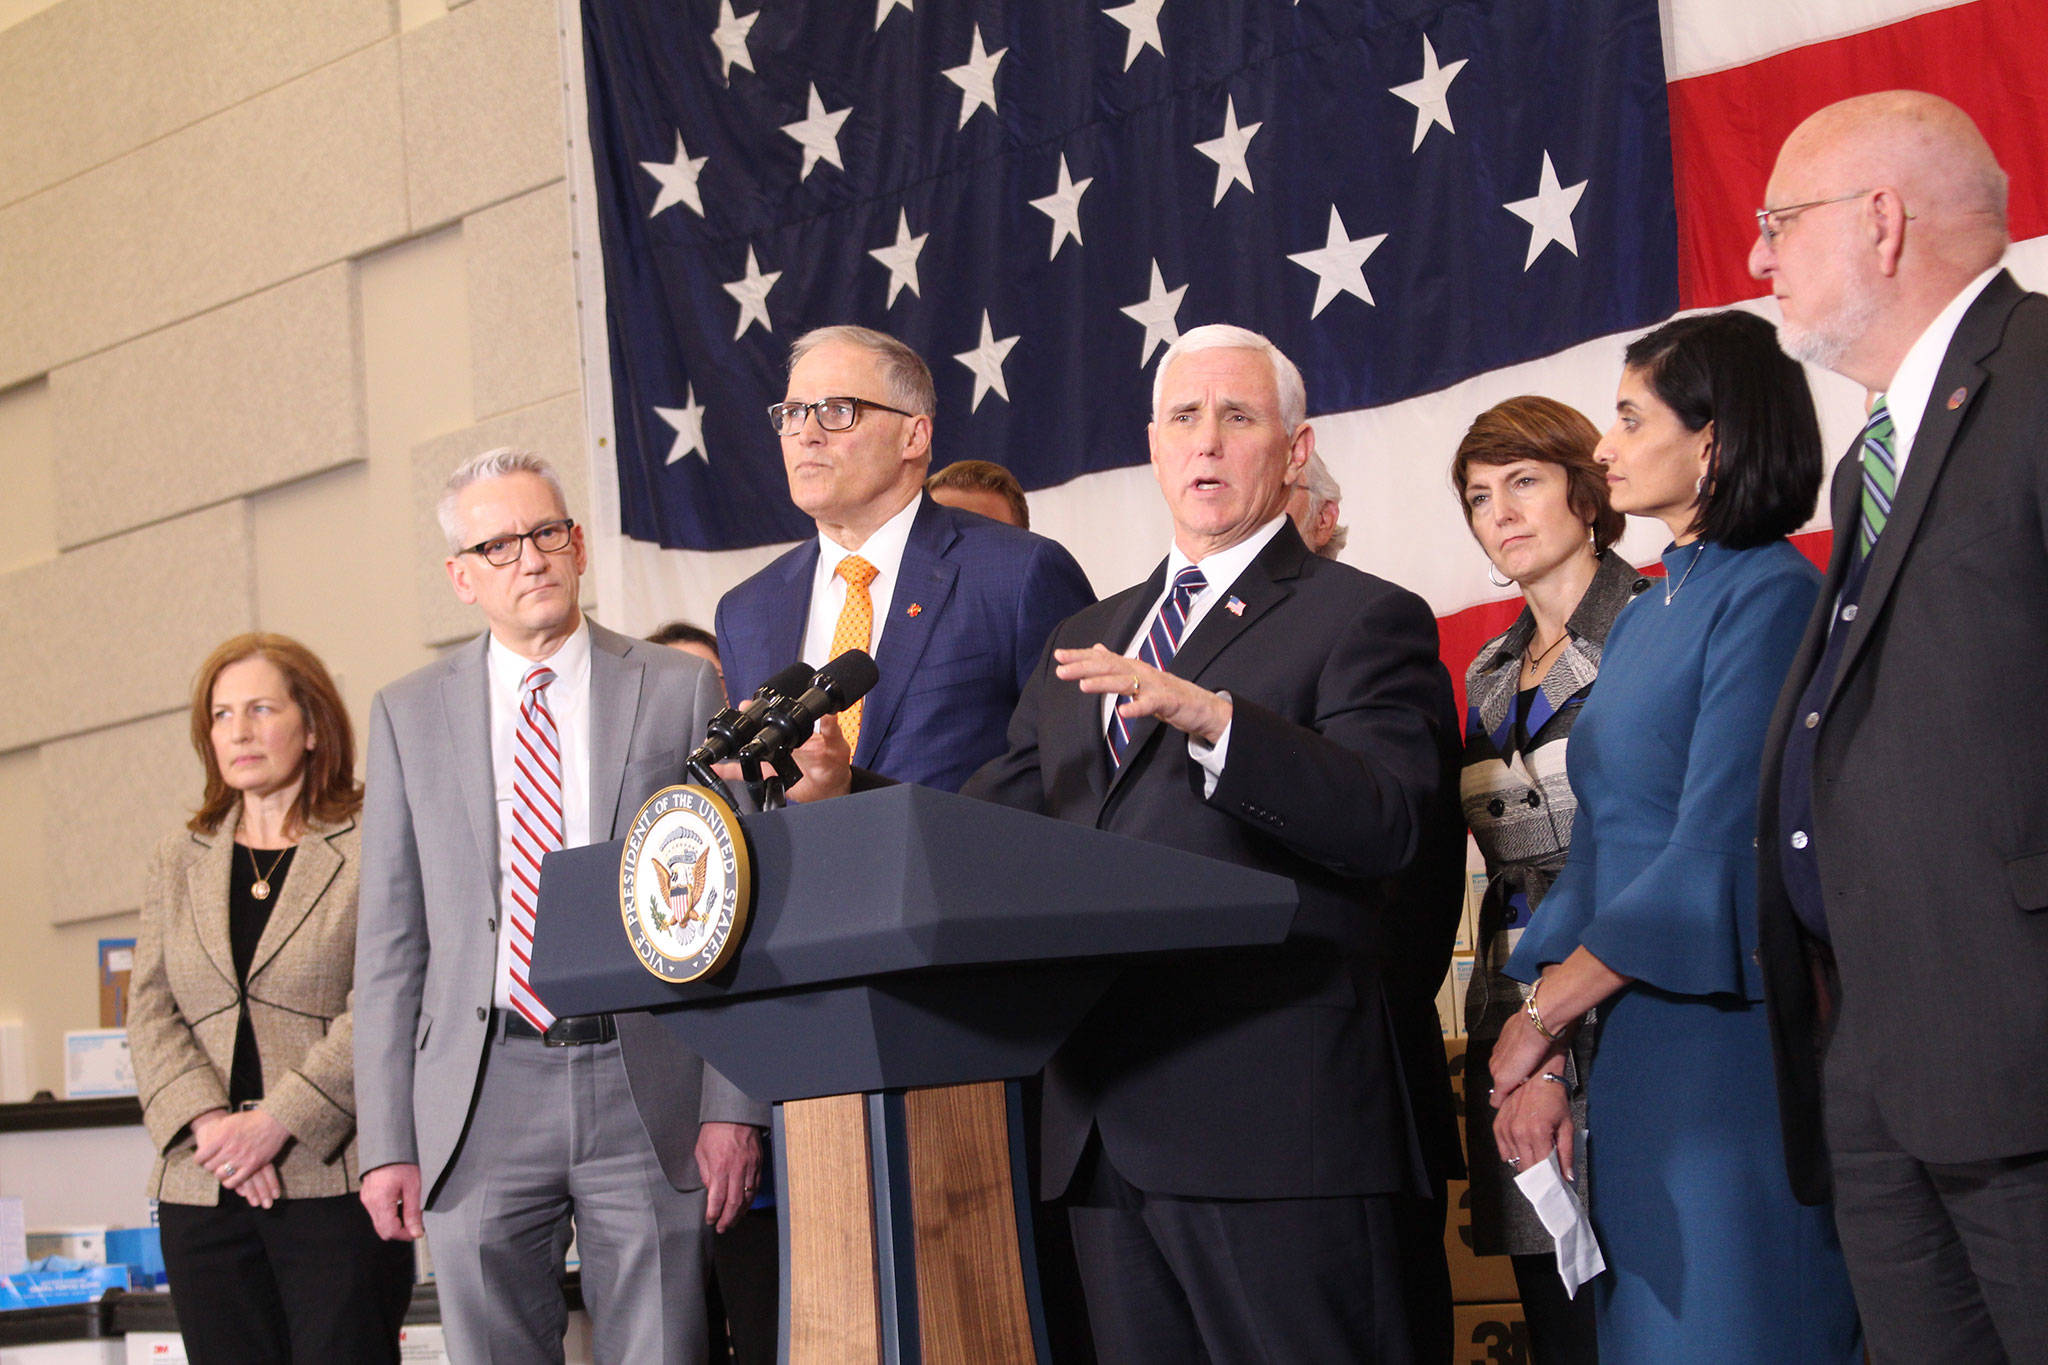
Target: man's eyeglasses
(834, 414)
(1771, 222)
(550, 538)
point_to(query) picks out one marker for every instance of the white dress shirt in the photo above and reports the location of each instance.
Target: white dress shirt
(884, 550)
(1221, 571)
(568, 699)
(1913, 382)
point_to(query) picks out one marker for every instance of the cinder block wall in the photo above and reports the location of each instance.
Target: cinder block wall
(270, 268)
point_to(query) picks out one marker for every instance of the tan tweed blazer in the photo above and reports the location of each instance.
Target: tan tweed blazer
(183, 1005)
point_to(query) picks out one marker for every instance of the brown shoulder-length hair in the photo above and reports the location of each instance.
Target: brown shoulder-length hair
(1536, 428)
(330, 794)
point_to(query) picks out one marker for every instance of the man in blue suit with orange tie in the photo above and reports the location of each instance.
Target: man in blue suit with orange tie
(954, 607)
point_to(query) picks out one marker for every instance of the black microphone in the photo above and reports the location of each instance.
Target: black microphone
(789, 722)
(733, 727)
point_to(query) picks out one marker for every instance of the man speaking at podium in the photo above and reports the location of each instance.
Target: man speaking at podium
(1230, 1130)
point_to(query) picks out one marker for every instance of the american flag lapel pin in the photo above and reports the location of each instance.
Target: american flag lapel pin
(1235, 606)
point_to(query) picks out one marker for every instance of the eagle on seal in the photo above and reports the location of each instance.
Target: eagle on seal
(682, 897)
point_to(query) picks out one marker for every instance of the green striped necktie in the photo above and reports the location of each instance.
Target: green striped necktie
(1880, 476)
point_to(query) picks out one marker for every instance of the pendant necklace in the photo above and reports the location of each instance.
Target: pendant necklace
(260, 888)
(1670, 591)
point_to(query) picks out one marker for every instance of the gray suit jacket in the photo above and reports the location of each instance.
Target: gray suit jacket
(426, 946)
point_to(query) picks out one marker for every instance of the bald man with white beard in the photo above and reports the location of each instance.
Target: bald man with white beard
(1903, 906)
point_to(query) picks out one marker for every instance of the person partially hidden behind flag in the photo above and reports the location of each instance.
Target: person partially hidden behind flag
(1231, 1131)
(483, 1119)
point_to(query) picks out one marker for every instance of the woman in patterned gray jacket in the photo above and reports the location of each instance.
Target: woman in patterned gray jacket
(1537, 505)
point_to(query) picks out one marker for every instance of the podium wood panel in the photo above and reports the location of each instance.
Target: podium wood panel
(971, 1303)
(833, 1289)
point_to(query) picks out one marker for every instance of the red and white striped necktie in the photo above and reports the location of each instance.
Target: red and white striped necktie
(536, 830)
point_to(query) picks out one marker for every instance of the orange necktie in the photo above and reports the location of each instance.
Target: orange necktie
(856, 627)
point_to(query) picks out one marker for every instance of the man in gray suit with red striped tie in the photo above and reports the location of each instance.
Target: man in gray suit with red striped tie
(484, 1120)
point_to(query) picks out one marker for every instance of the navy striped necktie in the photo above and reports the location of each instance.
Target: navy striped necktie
(1161, 643)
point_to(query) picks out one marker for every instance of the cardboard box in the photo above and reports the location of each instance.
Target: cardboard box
(84, 1244)
(422, 1344)
(41, 1288)
(142, 1251)
(1474, 1278)
(1489, 1333)
(156, 1348)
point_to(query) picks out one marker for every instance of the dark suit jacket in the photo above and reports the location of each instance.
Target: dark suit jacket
(1271, 1073)
(1930, 782)
(973, 604)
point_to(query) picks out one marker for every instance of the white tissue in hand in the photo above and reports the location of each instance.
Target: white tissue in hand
(1564, 1218)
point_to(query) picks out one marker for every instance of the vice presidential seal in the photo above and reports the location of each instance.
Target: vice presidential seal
(685, 885)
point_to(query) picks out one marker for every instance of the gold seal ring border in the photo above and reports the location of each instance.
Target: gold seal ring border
(743, 881)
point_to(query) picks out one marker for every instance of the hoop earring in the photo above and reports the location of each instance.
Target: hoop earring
(1491, 570)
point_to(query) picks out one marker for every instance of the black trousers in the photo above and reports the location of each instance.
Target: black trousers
(1274, 1281)
(305, 1280)
(745, 1287)
(1949, 1261)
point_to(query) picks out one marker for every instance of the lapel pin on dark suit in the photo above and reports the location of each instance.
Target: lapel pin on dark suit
(1955, 400)
(913, 609)
(1235, 606)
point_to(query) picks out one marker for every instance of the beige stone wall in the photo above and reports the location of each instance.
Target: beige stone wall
(271, 268)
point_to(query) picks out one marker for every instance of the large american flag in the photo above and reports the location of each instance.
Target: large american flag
(1430, 206)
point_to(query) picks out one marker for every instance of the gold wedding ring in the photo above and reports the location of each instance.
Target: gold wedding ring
(1134, 684)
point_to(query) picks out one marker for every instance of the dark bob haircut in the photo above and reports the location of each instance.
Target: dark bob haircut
(1547, 431)
(1764, 471)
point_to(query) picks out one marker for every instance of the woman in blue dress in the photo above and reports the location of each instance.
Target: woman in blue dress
(1653, 919)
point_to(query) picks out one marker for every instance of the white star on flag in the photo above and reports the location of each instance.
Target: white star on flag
(901, 258)
(818, 134)
(986, 360)
(678, 179)
(751, 290)
(976, 79)
(885, 8)
(688, 421)
(1227, 152)
(1549, 214)
(1156, 314)
(730, 38)
(1063, 206)
(1431, 94)
(1141, 17)
(1339, 264)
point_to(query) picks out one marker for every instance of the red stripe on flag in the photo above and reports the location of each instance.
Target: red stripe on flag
(1726, 126)
(1460, 634)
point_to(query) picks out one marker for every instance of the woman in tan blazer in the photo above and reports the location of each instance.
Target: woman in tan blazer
(239, 1024)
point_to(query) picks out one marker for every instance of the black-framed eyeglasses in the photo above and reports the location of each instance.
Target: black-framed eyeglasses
(550, 538)
(1771, 222)
(834, 414)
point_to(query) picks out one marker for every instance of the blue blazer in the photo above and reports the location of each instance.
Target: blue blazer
(974, 604)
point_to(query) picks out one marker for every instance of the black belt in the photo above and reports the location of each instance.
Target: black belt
(582, 1029)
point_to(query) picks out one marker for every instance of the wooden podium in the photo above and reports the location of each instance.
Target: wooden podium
(910, 953)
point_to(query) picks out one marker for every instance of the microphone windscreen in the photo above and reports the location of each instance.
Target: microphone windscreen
(849, 677)
(790, 682)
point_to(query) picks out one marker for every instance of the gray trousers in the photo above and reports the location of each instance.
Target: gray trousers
(556, 1139)
(1949, 1260)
